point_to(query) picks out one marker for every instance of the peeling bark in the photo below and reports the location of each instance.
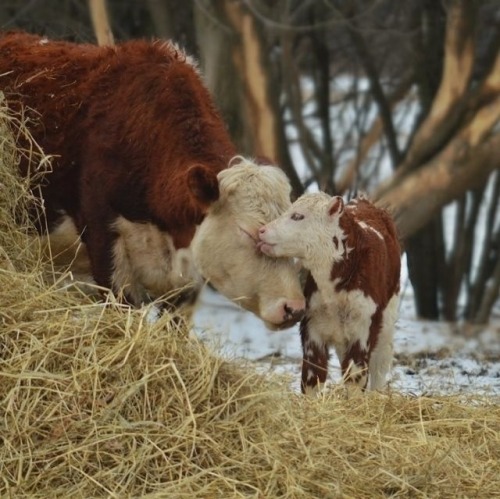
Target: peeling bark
(247, 57)
(449, 102)
(420, 195)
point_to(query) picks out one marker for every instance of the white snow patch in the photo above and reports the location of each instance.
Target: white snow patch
(430, 357)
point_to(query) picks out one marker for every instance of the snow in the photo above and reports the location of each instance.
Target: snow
(429, 357)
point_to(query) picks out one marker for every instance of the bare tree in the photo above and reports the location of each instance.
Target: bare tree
(449, 155)
(454, 148)
(399, 99)
(453, 151)
(234, 55)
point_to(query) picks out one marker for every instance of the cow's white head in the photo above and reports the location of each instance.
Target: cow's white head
(225, 244)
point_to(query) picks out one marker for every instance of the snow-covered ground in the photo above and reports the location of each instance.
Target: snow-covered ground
(430, 357)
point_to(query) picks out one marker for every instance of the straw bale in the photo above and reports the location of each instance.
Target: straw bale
(97, 401)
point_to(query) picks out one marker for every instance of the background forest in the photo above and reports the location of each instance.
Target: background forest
(397, 99)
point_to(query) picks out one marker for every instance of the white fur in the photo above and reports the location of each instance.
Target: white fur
(365, 226)
(381, 357)
(340, 318)
(309, 239)
(65, 248)
(147, 264)
(224, 246)
(356, 372)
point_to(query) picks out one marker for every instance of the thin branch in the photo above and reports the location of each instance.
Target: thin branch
(322, 94)
(288, 27)
(209, 15)
(335, 20)
(378, 94)
(23, 10)
(373, 135)
(292, 89)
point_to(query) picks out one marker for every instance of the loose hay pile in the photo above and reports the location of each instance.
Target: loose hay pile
(95, 401)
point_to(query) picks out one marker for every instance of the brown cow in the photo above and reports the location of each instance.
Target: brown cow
(352, 253)
(137, 145)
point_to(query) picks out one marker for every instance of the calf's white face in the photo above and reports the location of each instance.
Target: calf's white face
(306, 230)
(225, 245)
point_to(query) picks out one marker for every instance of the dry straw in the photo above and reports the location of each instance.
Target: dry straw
(98, 402)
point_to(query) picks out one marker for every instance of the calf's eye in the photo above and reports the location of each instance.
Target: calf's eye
(297, 216)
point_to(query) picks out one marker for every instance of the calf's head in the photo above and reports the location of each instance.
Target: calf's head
(309, 230)
(225, 244)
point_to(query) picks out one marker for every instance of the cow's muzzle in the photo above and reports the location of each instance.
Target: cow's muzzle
(288, 313)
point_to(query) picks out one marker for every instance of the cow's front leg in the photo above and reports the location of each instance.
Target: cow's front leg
(109, 262)
(315, 359)
(101, 243)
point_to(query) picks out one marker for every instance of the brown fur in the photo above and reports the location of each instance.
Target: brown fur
(365, 265)
(133, 132)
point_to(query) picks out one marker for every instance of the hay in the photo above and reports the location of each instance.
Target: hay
(96, 401)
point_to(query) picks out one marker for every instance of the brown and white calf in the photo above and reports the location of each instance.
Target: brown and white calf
(352, 253)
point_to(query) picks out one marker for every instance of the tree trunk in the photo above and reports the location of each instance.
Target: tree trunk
(216, 39)
(237, 69)
(248, 58)
(492, 290)
(174, 21)
(100, 22)
(162, 20)
(425, 256)
(489, 253)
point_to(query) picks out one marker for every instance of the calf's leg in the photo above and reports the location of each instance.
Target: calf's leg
(354, 365)
(382, 352)
(315, 359)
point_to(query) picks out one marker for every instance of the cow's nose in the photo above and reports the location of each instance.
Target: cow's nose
(283, 314)
(262, 230)
(294, 310)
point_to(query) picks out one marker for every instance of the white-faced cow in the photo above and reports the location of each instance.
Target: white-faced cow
(352, 253)
(137, 148)
(225, 244)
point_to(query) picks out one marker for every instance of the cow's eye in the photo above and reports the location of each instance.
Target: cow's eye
(297, 216)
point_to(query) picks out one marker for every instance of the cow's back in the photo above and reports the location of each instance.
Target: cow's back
(133, 85)
(136, 115)
(53, 79)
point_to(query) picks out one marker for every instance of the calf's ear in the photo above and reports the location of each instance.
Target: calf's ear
(203, 184)
(336, 206)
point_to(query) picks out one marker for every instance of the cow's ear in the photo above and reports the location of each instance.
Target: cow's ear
(336, 206)
(203, 184)
(229, 179)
